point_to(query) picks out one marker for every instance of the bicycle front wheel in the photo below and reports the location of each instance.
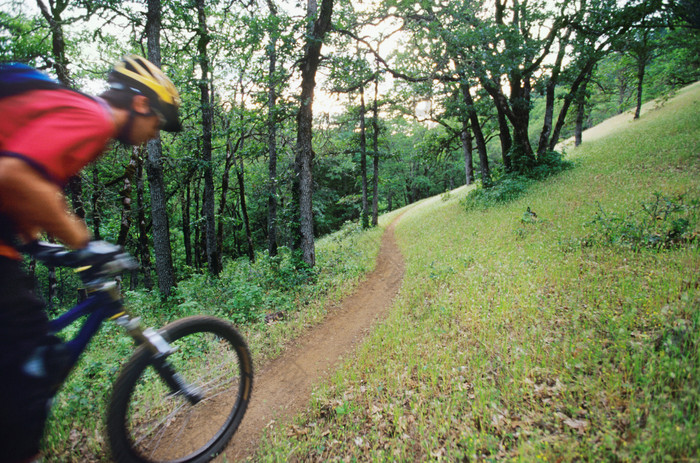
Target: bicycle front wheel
(147, 422)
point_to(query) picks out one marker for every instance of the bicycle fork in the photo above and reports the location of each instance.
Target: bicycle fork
(160, 350)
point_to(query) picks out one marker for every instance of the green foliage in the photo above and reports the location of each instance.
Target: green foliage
(508, 188)
(19, 43)
(511, 186)
(675, 63)
(550, 163)
(245, 292)
(662, 223)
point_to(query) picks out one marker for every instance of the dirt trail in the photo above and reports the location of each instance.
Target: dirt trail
(283, 387)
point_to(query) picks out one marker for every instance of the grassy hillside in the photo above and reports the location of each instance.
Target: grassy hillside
(573, 335)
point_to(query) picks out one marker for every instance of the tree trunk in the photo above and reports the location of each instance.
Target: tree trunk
(125, 195)
(213, 253)
(583, 76)
(230, 150)
(375, 157)
(272, 139)
(478, 136)
(363, 160)
(75, 186)
(198, 233)
(580, 114)
(244, 209)
(154, 169)
(186, 227)
(519, 123)
(58, 43)
(520, 105)
(466, 137)
(236, 217)
(641, 67)
(95, 204)
(505, 138)
(144, 250)
(319, 24)
(548, 118)
(202, 230)
(549, 98)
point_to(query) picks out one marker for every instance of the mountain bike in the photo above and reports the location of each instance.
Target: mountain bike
(185, 389)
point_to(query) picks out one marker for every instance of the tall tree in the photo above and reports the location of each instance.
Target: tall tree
(58, 42)
(272, 130)
(125, 195)
(641, 47)
(144, 251)
(244, 208)
(212, 250)
(597, 25)
(478, 135)
(319, 23)
(375, 153)
(363, 159)
(154, 169)
(581, 111)
(467, 151)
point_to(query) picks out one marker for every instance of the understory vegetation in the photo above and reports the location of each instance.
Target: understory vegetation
(511, 186)
(563, 325)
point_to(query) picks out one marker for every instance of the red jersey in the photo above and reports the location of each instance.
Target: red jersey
(56, 131)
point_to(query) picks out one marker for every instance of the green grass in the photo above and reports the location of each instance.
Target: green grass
(522, 338)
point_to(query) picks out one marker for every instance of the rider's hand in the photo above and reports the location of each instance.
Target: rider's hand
(97, 260)
(103, 259)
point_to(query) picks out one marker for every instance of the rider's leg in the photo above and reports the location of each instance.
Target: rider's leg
(24, 399)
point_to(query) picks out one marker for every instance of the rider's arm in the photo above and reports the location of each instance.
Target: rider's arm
(36, 204)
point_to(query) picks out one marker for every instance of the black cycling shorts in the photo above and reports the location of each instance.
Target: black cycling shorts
(24, 400)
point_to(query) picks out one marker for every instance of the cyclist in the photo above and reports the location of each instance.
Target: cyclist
(48, 133)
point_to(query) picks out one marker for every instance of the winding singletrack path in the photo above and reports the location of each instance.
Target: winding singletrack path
(282, 388)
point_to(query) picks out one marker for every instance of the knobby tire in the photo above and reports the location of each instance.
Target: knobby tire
(147, 423)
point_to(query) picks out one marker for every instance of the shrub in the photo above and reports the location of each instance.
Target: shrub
(663, 222)
(508, 188)
(550, 163)
(244, 292)
(511, 186)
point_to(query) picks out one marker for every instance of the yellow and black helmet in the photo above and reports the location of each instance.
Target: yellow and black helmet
(140, 76)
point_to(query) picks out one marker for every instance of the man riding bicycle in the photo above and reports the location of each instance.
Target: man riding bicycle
(48, 133)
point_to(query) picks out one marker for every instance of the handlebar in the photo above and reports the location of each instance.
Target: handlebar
(98, 260)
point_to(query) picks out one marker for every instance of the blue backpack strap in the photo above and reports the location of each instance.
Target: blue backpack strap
(16, 78)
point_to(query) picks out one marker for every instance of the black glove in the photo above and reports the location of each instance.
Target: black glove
(101, 258)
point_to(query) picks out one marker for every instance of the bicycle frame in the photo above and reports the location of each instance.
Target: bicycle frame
(105, 303)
